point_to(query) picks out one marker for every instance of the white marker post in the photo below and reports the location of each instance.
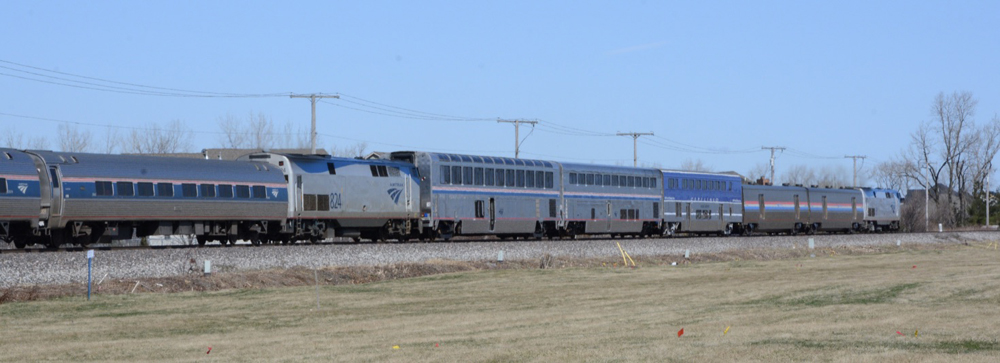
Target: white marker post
(812, 246)
(208, 267)
(90, 263)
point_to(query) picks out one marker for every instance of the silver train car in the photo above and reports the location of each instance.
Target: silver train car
(612, 200)
(882, 208)
(506, 197)
(484, 195)
(20, 197)
(340, 197)
(701, 203)
(793, 210)
(99, 198)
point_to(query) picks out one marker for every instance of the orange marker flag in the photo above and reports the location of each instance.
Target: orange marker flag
(680, 332)
(897, 332)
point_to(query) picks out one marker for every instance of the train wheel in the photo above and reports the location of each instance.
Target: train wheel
(20, 245)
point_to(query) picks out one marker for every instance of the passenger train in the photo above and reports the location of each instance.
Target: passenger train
(56, 198)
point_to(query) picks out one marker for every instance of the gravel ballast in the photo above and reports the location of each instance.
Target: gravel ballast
(21, 269)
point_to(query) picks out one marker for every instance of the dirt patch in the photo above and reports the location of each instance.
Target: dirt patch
(299, 276)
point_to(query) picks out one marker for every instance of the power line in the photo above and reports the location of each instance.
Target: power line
(132, 89)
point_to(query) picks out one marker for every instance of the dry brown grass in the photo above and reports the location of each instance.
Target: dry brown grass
(843, 305)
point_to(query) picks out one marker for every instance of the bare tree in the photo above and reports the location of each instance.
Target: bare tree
(800, 174)
(759, 170)
(233, 134)
(891, 174)
(17, 140)
(171, 138)
(255, 132)
(353, 151)
(695, 165)
(112, 140)
(72, 139)
(832, 176)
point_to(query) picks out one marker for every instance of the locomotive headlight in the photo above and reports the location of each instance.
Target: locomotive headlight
(428, 204)
(41, 223)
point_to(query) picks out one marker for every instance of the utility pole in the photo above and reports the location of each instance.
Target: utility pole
(313, 97)
(772, 148)
(855, 157)
(517, 131)
(635, 144)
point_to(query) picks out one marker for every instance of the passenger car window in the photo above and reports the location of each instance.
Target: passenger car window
(259, 192)
(144, 189)
(124, 189)
(208, 190)
(226, 190)
(165, 189)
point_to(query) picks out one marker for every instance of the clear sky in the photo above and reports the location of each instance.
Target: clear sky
(713, 80)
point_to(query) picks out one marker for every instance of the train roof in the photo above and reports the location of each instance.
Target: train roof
(702, 173)
(159, 167)
(497, 160)
(608, 168)
(16, 162)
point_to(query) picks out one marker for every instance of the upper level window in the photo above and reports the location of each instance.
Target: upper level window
(445, 174)
(529, 179)
(572, 178)
(549, 182)
(490, 176)
(500, 177)
(456, 175)
(510, 177)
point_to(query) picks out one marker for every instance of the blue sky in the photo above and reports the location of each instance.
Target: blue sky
(823, 79)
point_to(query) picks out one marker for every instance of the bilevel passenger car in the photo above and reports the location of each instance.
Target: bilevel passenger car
(701, 203)
(506, 197)
(340, 197)
(795, 209)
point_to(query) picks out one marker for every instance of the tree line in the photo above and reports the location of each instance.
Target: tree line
(251, 131)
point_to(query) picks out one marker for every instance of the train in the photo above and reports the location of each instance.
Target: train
(59, 198)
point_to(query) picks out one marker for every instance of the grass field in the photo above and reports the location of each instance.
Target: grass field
(828, 308)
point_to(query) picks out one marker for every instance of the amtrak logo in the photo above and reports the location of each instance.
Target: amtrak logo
(23, 187)
(394, 194)
(274, 192)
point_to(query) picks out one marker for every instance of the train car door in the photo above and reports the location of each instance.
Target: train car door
(55, 212)
(609, 215)
(493, 213)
